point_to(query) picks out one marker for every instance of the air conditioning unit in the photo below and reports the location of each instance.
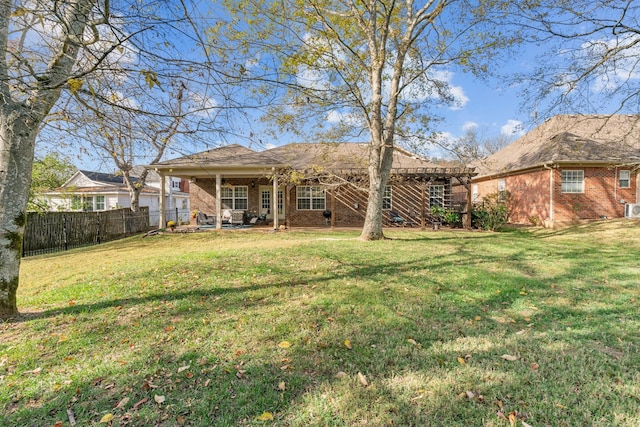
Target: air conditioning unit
(632, 210)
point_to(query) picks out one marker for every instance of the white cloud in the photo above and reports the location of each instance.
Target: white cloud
(512, 128)
(350, 119)
(467, 126)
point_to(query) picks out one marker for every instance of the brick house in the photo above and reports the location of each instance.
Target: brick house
(309, 179)
(569, 168)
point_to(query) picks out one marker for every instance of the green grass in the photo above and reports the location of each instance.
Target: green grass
(204, 320)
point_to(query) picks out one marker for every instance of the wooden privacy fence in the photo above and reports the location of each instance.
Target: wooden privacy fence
(60, 231)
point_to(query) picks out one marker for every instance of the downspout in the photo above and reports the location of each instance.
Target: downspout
(162, 202)
(550, 168)
(218, 201)
(274, 201)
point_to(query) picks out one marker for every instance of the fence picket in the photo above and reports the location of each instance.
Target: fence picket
(59, 231)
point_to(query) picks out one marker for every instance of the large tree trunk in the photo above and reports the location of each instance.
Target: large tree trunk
(17, 142)
(380, 160)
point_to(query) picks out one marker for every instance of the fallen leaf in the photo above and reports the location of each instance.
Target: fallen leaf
(363, 379)
(477, 318)
(183, 368)
(284, 344)
(282, 386)
(559, 406)
(33, 372)
(140, 403)
(461, 360)
(341, 374)
(512, 419)
(525, 424)
(58, 424)
(412, 341)
(180, 420)
(534, 366)
(106, 418)
(509, 357)
(169, 329)
(470, 395)
(347, 343)
(266, 416)
(158, 398)
(122, 403)
(189, 375)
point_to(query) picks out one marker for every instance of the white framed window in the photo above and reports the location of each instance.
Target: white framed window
(386, 198)
(236, 197)
(310, 197)
(436, 195)
(502, 184)
(175, 184)
(624, 177)
(573, 181)
(474, 193)
(99, 203)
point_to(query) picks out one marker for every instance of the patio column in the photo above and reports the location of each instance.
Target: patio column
(275, 199)
(161, 201)
(469, 206)
(218, 201)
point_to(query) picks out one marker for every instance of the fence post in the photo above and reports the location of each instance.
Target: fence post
(98, 221)
(177, 219)
(124, 223)
(64, 232)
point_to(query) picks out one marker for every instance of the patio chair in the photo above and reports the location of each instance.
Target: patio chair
(204, 219)
(260, 218)
(399, 221)
(227, 217)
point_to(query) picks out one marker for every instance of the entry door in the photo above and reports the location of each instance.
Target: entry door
(266, 201)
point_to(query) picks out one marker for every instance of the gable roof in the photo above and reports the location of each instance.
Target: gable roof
(596, 139)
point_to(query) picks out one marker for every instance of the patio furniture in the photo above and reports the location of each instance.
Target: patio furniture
(204, 219)
(327, 217)
(260, 218)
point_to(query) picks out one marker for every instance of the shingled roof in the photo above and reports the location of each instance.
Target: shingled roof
(587, 139)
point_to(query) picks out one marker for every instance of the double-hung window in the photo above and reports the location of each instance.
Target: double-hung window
(236, 197)
(310, 197)
(573, 181)
(625, 178)
(99, 203)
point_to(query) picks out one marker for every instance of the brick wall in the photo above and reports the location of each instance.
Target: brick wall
(530, 195)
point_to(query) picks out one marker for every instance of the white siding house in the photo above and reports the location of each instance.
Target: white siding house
(97, 191)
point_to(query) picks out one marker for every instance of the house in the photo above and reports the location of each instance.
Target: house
(569, 168)
(296, 183)
(98, 191)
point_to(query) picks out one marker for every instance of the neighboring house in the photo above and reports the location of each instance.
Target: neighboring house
(97, 191)
(311, 179)
(571, 167)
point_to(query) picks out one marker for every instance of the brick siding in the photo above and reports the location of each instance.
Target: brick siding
(530, 195)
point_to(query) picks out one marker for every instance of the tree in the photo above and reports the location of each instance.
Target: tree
(352, 68)
(590, 61)
(472, 146)
(49, 173)
(52, 55)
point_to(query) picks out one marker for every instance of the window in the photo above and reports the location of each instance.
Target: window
(386, 198)
(99, 203)
(310, 198)
(625, 179)
(572, 181)
(235, 197)
(474, 193)
(436, 196)
(175, 184)
(265, 202)
(87, 203)
(502, 184)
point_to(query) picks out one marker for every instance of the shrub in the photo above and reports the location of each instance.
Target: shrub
(492, 213)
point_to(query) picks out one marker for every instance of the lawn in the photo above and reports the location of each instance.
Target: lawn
(451, 328)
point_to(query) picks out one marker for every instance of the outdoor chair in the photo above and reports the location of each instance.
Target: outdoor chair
(204, 219)
(260, 218)
(399, 221)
